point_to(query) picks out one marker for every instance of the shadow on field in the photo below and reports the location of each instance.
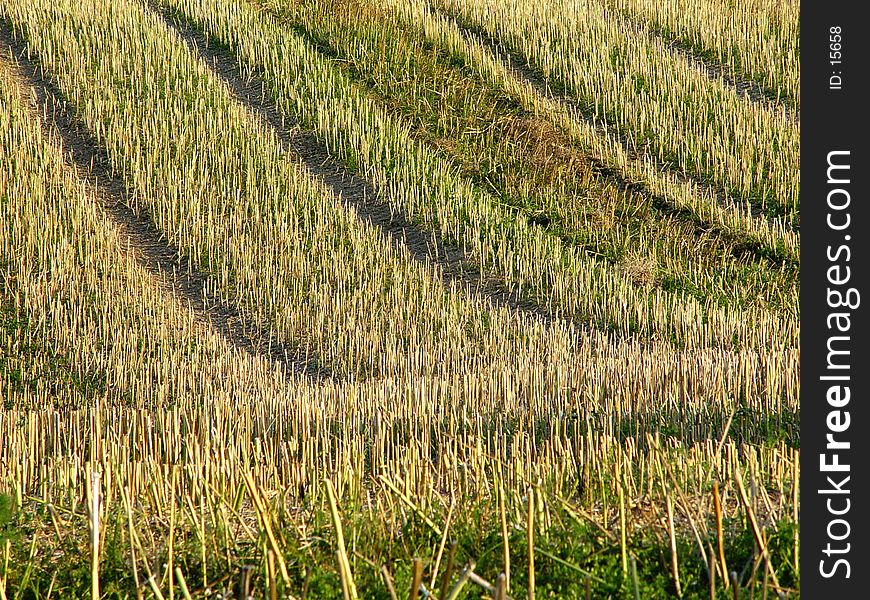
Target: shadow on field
(154, 252)
(553, 90)
(350, 189)
(712, 68)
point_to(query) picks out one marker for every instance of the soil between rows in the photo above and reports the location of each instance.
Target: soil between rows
(154, 252)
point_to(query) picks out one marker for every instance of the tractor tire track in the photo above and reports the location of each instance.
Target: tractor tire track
(352, 190)
(153, 251)
(740, 248)
(543, 86)
(713, 69)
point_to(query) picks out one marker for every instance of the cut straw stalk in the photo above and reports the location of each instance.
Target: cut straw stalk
(675, 567)
(463, 579)
(756, 531)
(442, 543)
(623, 537)
(445, 579)
(388, 580)
(266, 521)
(344, 563)
(182, 583)
(720, 534)
(94, 513)
(417, 580)
(504, 535)
(530, 541)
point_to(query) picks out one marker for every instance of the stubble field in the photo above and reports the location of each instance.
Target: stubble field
(399, 299)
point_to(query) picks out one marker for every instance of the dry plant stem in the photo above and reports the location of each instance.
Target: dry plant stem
(265, 519)
(623, 534)
(500, 588)
(344, 563)
(94, 494)
(720, 534)
(182, 584)
(735, 585)
(170, 558)
(711, 576)
(442, 544)
(388, 580)
(155, 588)
(128, 509)
(270, 565)
(6, 548)
(478, 580)
(530, 542)
(675, 567)
(722, 438)
(460, 583)
(411, 504)
(795, 482)
(416, 580)
(504, 535)
(759, 538)
(445, 579)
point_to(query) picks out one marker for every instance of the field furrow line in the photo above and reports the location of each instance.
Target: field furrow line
(755, 42)
(527, 73)
(361, 131)
(454, 264)
(717, 71)
(775, 239)
(543, 176)
(155, 253)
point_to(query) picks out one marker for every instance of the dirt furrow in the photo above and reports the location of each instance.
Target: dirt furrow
(352, 190)
(519, 67)
(153, 251)
(715, 70)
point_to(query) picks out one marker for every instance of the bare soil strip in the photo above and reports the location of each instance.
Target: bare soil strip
(716, 70)
(154, 252)
(518, 66)
(352, 190)
(745, 248)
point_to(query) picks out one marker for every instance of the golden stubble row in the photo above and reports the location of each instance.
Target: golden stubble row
(184, 416)
(428, 189)
(758, 39)
(389, 47)
(702, 202)
(660, 102)
(139, 363)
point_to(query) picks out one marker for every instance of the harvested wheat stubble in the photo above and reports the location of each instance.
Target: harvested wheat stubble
(751, 89)
(759, 41)
(212, 458)
(156, 254)
(544, 86)
(651, 95)
(497, 70)
(530, 166)
(454, 264)
(427, 188)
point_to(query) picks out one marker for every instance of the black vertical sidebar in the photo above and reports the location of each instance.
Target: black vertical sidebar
(835, 298)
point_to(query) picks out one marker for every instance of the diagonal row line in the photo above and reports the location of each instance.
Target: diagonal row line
(352, 190)
(527, 74)
(715, 70)
(153, 251)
